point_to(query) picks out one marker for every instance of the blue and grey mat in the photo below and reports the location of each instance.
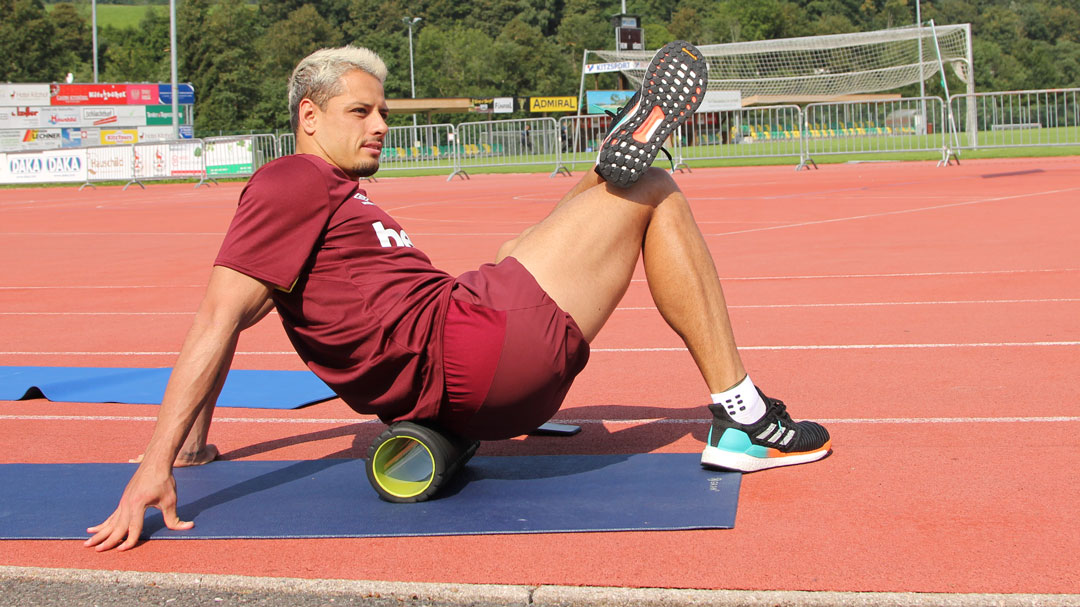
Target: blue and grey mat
(332, 498)
(243, 388)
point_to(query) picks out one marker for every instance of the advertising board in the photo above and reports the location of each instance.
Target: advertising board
(112, 163)
(20, 117)
(186, 94)
(87, 94)
(24, 94)
(229, 157)
(118, 136)
(52, 166)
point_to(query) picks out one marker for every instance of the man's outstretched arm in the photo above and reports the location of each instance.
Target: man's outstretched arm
(232, 303)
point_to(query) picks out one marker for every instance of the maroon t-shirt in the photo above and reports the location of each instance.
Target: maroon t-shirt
(362, 306)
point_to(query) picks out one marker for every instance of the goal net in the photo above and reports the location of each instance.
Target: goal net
(794, 70)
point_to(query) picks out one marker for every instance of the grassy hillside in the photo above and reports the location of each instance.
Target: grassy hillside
(117, 15)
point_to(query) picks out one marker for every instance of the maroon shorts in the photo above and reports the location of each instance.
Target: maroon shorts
(509, 354)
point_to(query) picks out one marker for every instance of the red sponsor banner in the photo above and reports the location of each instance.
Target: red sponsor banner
(88, 94)
(143, 94)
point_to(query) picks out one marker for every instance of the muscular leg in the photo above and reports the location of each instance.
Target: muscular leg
(584, 253)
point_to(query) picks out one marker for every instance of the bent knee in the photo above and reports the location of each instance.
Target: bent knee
(507, 248)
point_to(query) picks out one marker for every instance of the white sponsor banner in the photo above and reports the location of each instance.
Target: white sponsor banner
(151, 161)
(228, 156)
(50, 117)
(160, 160)
(10, 141)
(113, 115)
(155, 133)
(41, 139)
(502, 105)
(24, 94)
(20, 117)
(186, 158)
(111, 163)
(45, 167)
(721, 101)
(617, 66)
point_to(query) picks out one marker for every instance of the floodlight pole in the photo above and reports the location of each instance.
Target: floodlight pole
(410, 21)
(93, 26)
(172, 53)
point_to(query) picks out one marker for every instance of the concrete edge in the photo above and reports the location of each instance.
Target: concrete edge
(460, 595)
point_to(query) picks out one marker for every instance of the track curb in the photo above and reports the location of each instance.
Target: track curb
(75, 587)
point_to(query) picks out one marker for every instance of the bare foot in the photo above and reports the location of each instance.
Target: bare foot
(205, 455)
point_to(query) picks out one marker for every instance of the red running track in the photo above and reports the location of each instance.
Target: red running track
(928, 315)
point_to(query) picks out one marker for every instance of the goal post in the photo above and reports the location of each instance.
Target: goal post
(816, 68)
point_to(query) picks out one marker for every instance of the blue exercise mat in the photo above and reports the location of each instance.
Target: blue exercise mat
(332, 498)
(243, 388)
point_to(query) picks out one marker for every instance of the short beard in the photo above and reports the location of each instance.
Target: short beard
(366, 170)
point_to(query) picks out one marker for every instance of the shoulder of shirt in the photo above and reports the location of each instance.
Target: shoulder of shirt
(296, 162)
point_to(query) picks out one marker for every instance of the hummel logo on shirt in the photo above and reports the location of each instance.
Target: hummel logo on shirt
(363, 199)
(400, 239)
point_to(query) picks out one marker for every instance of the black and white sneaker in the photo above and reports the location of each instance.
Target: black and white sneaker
(671, 91)
(774, 440)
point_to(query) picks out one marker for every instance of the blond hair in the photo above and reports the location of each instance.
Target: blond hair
(318, 76)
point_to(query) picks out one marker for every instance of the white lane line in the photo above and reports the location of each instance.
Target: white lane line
(111, 234)
(891, 275)
(1031, 344)
(653, 420)
(639, 308)
(66, 287)
(192, 313)
(880, 303)
(724, 279)
(898, 212)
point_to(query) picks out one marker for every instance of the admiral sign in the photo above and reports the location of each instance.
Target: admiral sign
(552, 104)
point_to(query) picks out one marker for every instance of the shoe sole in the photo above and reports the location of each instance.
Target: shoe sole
(741, 462)
(671, 91)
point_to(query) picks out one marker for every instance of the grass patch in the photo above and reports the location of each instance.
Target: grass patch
(121, 16)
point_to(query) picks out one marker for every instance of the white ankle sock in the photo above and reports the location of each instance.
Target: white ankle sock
(742, 402)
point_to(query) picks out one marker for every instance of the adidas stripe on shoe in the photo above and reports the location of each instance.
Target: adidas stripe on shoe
(774, 440)
(671, 91)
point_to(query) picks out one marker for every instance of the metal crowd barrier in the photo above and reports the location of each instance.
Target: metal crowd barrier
(110, 163)
(1019, 118)
(285, 145)
(523, 142)
(757, 132)
(238, 156)
(579, 139)
(875, 128)
(426, 146)
(178, 159)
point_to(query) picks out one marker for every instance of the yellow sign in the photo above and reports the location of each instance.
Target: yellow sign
(552, 104)
(119, 136)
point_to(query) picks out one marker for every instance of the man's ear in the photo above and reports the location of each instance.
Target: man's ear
(308, 116)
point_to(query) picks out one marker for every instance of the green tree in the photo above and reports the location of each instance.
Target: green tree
(74, 45)
(28, 50)
(527, 63)
(137, 54)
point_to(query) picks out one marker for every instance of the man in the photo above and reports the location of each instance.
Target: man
(487, 355)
